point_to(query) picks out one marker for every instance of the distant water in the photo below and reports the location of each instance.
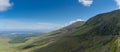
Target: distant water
(19, 32)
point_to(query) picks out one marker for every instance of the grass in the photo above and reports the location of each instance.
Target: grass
(5, 46)
(118, 46)
(96, 35)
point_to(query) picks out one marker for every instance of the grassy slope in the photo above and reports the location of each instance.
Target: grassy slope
(118, 46)
(49, 38)
(12, 42)
(5, 46)
(96, 35)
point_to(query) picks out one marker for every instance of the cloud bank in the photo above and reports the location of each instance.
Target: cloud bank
(5, 5)
(86, 2)
(15, 25)
(118, 3)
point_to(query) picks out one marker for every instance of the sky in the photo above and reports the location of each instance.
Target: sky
(48, 15)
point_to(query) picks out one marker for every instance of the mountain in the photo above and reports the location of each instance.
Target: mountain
(99, 34)
(49, 37)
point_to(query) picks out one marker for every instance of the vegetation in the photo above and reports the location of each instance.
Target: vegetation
(21, 38)
(18, 40)
(98, 34)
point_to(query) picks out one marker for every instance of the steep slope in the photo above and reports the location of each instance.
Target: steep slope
(98, 34)
(43, 40)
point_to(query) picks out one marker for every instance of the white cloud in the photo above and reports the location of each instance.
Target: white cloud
(16, 25)
(118, 3)
(11, 25)
(86, 2)
(5, 5)
(71, 22)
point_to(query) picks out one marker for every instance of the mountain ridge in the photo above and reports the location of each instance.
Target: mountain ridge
(98, 34)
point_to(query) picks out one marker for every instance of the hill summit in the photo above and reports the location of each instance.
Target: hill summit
(99, 34)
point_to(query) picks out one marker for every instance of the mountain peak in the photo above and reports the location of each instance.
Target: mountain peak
(106, 23)
(98, 34)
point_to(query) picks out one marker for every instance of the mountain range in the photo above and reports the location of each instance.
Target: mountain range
(99, 34)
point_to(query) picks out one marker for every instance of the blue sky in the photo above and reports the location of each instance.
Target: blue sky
(48, 15)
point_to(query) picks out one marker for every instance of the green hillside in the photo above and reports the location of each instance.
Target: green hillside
(98, 34)
(52, 36)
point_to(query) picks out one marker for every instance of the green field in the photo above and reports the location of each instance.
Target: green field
(7, 47)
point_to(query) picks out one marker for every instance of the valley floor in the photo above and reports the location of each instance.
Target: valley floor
(7, 47)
